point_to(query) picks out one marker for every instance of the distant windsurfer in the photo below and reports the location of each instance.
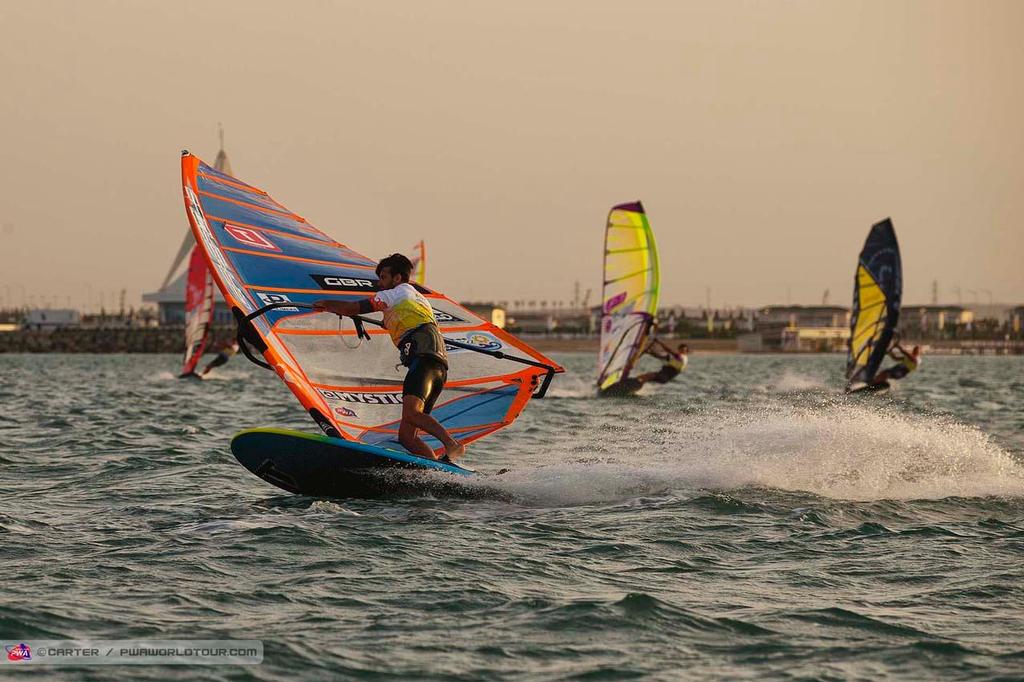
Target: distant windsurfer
(226, 352)
(675, 362)
(410, 321)
(906, 362)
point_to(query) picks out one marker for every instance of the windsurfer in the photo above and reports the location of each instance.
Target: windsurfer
(410, 321)
(675, 362)
(906, 362)
(226, 351)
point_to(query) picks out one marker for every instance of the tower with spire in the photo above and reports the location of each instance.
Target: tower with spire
(170, 297)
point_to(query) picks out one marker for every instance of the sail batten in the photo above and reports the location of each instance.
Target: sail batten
(632, 274)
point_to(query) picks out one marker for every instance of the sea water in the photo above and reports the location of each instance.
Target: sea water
(746, 521)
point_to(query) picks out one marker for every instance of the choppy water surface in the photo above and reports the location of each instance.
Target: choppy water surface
(744, 522)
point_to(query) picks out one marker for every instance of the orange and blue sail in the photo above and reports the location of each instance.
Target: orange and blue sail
(271, 264)
(630, 295)
(877, 290)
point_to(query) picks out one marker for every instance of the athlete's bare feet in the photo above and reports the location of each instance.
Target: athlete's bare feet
(454, 450)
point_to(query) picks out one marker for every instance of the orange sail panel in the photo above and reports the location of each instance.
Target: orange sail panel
(271, 264)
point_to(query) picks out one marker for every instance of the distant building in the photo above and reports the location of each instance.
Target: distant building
(47, 320)
(553, 320)
(802, 327)
(815, 339)
(992, 312)
(804, 316)
(1017, 319)
(934, 318)
(492, 313)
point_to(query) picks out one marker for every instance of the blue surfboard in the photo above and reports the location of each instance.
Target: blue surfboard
(321, 466)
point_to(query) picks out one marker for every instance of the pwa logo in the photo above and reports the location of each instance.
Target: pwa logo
(19, 652)
(250, 237)
(345, 412)
(336, 283)
(276, 298)
(481, 341)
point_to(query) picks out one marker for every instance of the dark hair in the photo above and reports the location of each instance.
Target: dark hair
(682, 346)
(397, 264)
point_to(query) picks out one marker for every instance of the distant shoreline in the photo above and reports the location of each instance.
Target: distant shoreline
(170, 340)
(553, 344)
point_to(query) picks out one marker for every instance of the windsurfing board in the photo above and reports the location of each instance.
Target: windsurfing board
(627, 387)
(869, 388)
(321, 466)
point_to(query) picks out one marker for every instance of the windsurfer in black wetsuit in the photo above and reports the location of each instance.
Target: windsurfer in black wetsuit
(906, 362)
(675, 362)
(226, 351)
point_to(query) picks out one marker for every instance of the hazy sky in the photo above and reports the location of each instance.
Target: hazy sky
(764, 138)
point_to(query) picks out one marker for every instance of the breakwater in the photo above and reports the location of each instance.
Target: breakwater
(171, 340)
(109, 340)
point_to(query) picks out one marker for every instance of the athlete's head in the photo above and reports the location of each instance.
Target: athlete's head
(916, 351)
(393, 270)
(684, 349)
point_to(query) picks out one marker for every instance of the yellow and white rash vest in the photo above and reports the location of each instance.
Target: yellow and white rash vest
(410, 321)
(910, 363)
(677, 361)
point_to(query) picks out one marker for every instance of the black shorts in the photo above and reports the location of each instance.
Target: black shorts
(425, 380)
(219, 360)
(665, 375)
(897, 372)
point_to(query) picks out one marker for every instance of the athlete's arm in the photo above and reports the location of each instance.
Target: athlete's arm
(654, 352)
(343, 308)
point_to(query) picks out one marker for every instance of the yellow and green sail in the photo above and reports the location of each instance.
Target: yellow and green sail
(630, 295)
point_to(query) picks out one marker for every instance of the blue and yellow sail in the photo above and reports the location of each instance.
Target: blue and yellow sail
(877, 291)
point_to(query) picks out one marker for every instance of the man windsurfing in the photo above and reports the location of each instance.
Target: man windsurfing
(225, 354)
(410, 321)
(675, 362)
(906, 362)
